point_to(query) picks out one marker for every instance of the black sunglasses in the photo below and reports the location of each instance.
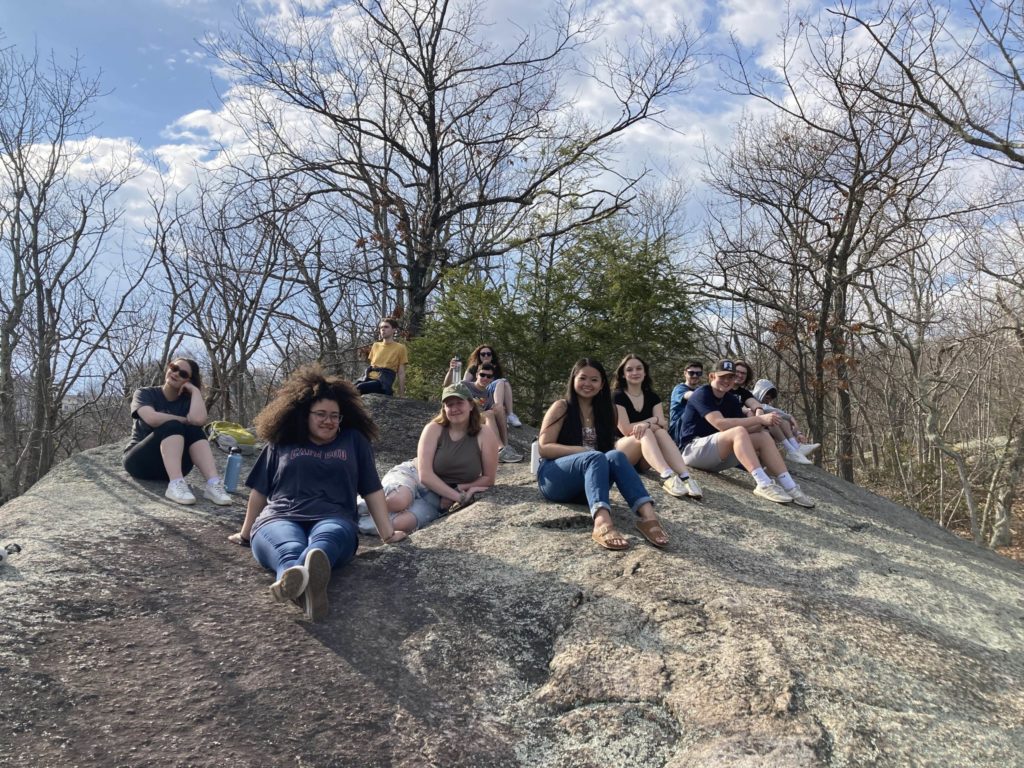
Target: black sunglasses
(695, 373)
(179, 370)
(485, 375)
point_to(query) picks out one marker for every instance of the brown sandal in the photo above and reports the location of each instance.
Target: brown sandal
(652, 531)
(606, 536)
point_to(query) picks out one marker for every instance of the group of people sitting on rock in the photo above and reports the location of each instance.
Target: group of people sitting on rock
(315, 485)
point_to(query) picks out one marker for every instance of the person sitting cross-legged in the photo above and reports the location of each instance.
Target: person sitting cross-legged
(716, 435)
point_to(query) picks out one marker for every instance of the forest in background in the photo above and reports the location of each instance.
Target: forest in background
(860, 242)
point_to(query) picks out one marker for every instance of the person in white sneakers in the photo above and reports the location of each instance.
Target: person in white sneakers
(301, 520)
(767, 393)
(494, 413)
(167, 435)
(500, 388)
(641, 421)
(782, 431)
(716, 435)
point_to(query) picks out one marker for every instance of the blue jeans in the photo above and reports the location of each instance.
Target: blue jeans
(591, 474)
(280, 544)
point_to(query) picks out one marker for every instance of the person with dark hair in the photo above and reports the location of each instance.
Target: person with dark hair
(579, 459)
(499, 387)
(387, 359)
(301, 520)
(782, 431)
(167, 435)
(681, 392)
(641, 420)
(456, 459)
(492, 411)
(717, 435)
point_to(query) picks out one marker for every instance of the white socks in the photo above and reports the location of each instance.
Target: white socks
(761, 476)
(786, 481)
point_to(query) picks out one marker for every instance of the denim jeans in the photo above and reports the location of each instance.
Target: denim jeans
(591, 474)
(280, 544)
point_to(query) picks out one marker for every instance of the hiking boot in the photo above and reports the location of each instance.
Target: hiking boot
(513, 420)
(675, 486)
(179, 492)
(315, 597)
(291, 584)
(796, 457)
(215, 492)
(773, 492)
(800, 498)
(509, 455)
(692, 489)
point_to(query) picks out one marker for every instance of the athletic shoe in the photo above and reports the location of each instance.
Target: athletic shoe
(773, 492)
(675, 486)
(800, 498)
(513, 420)
(808, 448)
(179, 492)
(291, 584)
(315, 597)
(509, 455)
(692, 489)
(215, 492)
(795, 457)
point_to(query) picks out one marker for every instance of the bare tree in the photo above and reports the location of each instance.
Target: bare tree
(432, 145)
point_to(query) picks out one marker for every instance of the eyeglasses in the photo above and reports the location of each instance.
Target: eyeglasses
(695, 373)
(326, 416)
(486, 354)
(485, 375)
(182, 373)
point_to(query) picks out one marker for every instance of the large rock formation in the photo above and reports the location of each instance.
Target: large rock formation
(855, 634)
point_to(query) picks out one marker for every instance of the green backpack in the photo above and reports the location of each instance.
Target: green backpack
(227, 435)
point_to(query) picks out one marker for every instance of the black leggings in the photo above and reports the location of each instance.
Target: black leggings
(143, 460)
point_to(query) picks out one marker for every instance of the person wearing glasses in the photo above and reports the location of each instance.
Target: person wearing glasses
(680, 394)
(301, 519)
(387, 359)
(456, 460)
(167, 435)
(483, 395)
(717, 434)
(500, 388)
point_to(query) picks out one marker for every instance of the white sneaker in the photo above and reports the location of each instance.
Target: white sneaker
(795, 457)
(513, 421)
(692, 489)
(291, 585)
(215, 492)
(509, 455)
(800, 498)
(773, 492)
(179, 492)
(675, 486)
(315, 596)
(808, 448)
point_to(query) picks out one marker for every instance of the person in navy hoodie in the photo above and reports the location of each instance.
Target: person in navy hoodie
(301, 520)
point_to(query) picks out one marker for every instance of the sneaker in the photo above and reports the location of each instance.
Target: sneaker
(513, 421)
(675, 486)
(795, 457)
(808, 448)
(315, 597)
(291, 584)
(509, 455)
(215, 492)
(179, 492)
(800, 498)
(692, 489)
(773, 492)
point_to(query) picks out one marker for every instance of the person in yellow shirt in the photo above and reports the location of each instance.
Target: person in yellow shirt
(388, 359)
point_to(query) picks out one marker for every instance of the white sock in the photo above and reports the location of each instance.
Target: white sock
(792, 443)
(667, 474)
(213, 480)
(786, 481)
(761, 476)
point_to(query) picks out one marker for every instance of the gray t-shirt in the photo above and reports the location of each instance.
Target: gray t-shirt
(154, 397)
(484, 399)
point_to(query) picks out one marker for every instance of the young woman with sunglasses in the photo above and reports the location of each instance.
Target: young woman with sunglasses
(579, 459)
(301, 520)
(499, 387)
(167, 435)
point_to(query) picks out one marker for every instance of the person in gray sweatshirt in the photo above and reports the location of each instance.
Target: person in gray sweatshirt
(767, 393)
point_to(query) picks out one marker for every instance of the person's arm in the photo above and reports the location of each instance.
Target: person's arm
(155, 418)
(425, 451)
(378, 506)
(257, 501)
(197, 406)
(449, 374)
(549, 449)
(622, 421)
(722, 423)
(401, 380)
(488, 442)
(658, 417)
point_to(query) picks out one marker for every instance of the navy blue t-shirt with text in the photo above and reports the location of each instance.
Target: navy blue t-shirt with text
(701, 403)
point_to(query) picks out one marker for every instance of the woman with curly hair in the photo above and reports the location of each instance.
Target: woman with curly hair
(641, 420)
(301, 520)
(579, 459)
(168, 438)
